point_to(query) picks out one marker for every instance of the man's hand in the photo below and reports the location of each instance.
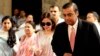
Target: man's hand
(67, 54)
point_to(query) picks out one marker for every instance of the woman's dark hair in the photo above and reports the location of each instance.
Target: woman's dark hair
(32, 23)
(47, 15)
(11, 33)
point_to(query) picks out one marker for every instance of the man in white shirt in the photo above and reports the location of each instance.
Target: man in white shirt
(55, 13)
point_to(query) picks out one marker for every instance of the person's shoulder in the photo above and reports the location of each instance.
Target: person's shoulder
(84, 22)
(22, 25)
(60, 20)
(39, 33)
(86, 25)
(61, 24)
(2, 31)
(33, 36)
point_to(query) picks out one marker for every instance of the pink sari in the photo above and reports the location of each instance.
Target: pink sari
(28, 46)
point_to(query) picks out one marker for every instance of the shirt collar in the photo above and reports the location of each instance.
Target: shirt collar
(75, 25)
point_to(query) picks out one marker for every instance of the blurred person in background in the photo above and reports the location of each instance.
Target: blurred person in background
(22, 18)
(15, 17)
(93, 17)
(56, 14)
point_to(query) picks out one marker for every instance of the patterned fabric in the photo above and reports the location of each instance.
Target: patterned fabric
(28, 46)
(45, 44)
(5, 50)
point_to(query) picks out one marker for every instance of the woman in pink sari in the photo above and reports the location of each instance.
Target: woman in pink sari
(28, 42)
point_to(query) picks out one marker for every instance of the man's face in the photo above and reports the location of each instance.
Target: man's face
(90, 17)
(29, 18)
(16, 11)
(55, 13)
(70, 15)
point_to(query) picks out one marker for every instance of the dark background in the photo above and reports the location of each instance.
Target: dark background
(87, 5)
(35, 7)
(30, 6)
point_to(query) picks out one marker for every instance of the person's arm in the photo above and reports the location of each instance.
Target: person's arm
(37, 48)
(56, 44)
(67, 54)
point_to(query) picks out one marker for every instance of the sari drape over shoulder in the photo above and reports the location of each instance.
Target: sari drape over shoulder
(5, 50)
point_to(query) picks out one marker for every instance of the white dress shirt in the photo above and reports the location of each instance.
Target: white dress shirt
(70, 28)
(60, 20)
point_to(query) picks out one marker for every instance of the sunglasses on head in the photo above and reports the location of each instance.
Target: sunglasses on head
(46, 23)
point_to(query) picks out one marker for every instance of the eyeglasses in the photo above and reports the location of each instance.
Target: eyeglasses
(45, 23)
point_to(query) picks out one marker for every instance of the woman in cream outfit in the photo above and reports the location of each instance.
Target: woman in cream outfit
(45, 36)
